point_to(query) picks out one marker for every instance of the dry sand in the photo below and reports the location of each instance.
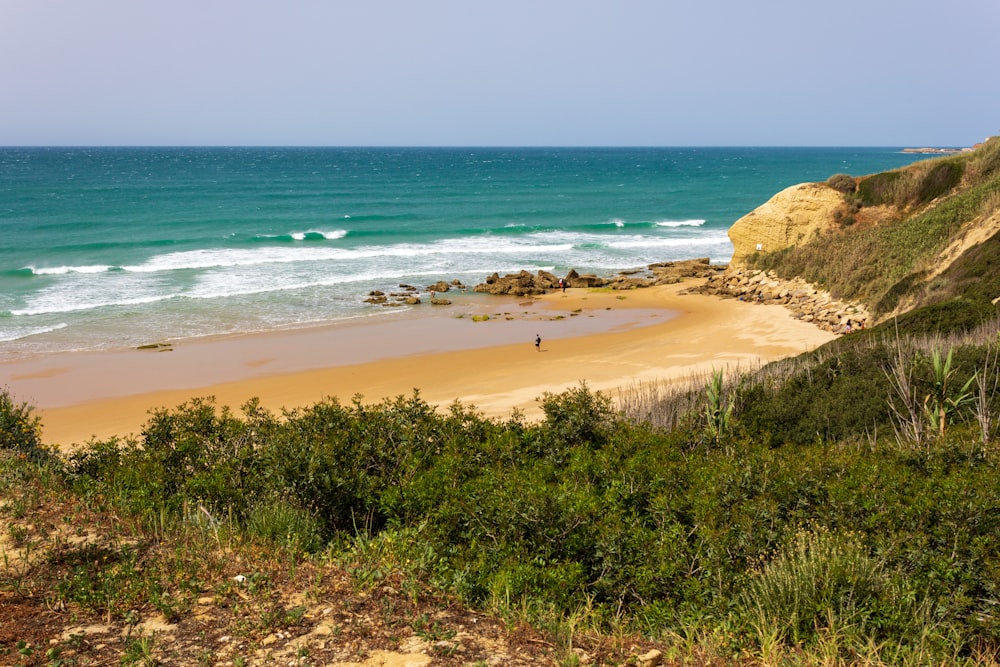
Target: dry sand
(609, 340)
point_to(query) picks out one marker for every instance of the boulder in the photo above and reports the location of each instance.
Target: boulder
(790, 217)
(439, 286)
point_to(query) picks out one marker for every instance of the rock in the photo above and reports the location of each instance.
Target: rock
(650, 659)
(517, 284)
(439, 286)
(804, 300)
(793, 215)
(586, 280)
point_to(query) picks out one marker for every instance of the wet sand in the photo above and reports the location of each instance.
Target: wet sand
(609, 340)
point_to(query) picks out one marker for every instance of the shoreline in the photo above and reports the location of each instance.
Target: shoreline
(609, 340)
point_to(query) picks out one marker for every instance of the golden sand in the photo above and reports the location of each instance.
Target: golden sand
(609, 340)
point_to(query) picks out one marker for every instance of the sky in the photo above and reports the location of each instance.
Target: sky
(502, 73)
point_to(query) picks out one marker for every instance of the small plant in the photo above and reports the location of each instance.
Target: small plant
(718, 412)
(430, 631)
(943, 402)
(904, 404)
(987, 384)
(139, 651)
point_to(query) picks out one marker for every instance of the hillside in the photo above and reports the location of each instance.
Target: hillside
(837, 508)
(920, 238)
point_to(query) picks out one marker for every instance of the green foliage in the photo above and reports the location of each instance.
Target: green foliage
(820, 582)
(20, 428)
(943, 400)
(939, 180)
(578, 416)
(843, 183)
(718, 411)
(841, 395)
(641, 527)
(285, 525)
(879, 189)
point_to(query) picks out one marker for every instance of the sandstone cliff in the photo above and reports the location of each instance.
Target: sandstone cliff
(790, 217)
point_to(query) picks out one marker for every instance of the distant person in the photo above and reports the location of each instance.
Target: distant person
(538, 343)
(562, 285)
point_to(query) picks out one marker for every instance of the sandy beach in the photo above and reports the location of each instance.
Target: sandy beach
(609, 340)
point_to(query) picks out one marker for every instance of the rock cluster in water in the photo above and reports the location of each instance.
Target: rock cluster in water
(525, 283)
(410, 295)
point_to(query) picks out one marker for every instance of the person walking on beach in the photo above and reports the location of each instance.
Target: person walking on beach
(538, 343)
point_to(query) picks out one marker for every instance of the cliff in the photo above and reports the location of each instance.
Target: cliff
(922, 241)
(792, 216)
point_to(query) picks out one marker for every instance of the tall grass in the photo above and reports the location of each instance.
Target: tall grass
(821, 582)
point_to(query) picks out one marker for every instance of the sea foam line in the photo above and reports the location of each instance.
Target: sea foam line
(679, 223)
(6, 337)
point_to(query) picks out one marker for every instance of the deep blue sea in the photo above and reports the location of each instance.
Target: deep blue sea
(116, 247)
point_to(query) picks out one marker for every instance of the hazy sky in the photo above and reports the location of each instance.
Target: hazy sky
(500, 73)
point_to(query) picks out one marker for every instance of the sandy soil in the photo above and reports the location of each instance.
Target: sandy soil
(609, 340)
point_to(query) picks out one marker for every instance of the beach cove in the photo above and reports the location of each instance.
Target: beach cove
(608, 339)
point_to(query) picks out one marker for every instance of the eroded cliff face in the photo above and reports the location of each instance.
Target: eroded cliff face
(788, 218)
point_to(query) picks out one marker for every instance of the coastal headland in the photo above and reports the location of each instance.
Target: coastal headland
(478, 349)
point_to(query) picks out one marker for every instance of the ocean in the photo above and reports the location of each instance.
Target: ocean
(107, 248)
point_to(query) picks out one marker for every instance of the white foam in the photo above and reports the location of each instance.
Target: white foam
(327, 235)
(653, 242)
(51, 306)
(63, 270)
(7, 335)
(679, 223)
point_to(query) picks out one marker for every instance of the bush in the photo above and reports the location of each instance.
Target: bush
(879, 189)
(578, 416)
(823, 582)
(20, 428)
(842, 183)
(939, 180)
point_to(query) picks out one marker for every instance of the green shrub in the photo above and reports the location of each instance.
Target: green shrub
(578, 416)
(938, 180)
(821, 581)
(20, 428)
(842, 183)
(284, 524)
(879, 189)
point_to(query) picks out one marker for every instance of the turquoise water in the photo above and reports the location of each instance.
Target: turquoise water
(116, 247)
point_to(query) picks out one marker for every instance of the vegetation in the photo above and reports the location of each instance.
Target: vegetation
(923, 208)
(835, 508)
(786, 511)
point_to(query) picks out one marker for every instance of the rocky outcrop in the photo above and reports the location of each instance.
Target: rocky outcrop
(806, 302)
(663, 273)
(410, 296)
(790, 217)
(525, 283)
